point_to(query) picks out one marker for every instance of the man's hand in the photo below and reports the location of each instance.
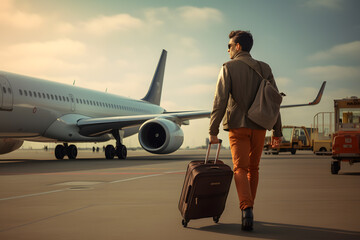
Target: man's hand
(214, 139)
(275, 142)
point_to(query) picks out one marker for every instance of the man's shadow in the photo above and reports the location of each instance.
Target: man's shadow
(281, 231)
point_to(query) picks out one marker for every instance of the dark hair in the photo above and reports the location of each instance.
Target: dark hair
(244, 38)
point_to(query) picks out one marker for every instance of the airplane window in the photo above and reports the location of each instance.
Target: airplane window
(9, 90)
(44, 95)
(52, 97)
(56, 98)
(20, 91)
(4, 89)
(47, 95)
(64, 99)
(25, 92)
(30, 93)
(35, 94)
(87, 101)
(77, 100)
(39, 95)
(67, 99)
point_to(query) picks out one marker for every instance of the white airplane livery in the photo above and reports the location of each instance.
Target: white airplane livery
(42, 111)
(38, 110)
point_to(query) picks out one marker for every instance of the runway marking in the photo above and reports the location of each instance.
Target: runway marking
(31, 195)
(135, 178)
(92, 173)
(116, 181)
(43, 219)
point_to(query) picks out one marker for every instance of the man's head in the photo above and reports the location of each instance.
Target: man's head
(239, 41)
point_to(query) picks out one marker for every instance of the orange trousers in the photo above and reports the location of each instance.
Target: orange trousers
(246, 148)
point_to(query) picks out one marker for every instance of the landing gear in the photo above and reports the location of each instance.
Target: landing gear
(120, 151)
(62, 150)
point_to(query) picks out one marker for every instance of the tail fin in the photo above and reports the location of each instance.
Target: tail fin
(154, 93)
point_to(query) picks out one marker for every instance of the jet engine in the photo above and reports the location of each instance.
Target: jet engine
(8, 145)
(160, 136)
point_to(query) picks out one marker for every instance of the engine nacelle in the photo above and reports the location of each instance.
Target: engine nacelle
(8, 145)
(160, 136)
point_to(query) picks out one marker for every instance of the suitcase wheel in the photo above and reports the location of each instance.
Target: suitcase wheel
(184, 223)
(216, 219)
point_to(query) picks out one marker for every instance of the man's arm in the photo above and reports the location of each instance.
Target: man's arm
(220, 102)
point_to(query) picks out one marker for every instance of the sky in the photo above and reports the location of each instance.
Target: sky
(115, 45)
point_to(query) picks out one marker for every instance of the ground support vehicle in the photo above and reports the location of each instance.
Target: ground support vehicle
(321, 133)
(346, 139)
(294, 138)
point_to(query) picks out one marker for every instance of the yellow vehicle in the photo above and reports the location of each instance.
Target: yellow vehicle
(322, 133)
(294, 138)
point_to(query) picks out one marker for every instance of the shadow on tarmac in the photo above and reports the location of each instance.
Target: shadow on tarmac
(31, 166)
(281, 231)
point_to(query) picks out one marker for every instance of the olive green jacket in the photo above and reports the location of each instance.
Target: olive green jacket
(235, 92)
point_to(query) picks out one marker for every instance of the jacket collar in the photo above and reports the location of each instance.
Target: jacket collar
(241, 54)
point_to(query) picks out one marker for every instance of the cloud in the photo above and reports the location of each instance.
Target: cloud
(107, 24)
(329, 4)
(197, 15)
(43, 58)
(60, 47)
(282, 82)
(332, 73)
(11, 17)
(158, 16)
(198, 89)
(348, 50)
(206, 71)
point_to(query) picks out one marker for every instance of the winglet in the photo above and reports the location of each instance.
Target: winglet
(154, 93)
(316, 100)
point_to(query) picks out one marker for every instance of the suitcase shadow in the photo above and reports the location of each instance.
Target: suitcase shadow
(280, 231)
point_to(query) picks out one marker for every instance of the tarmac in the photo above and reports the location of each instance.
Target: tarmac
(137, 198)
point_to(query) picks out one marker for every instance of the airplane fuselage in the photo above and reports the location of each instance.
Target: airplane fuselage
(34, 109)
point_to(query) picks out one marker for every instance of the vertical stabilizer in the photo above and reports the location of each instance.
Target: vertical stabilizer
(154, 93)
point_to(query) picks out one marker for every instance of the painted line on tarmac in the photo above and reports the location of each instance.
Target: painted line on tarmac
(135, 178)
(31, 195)
(116, 181)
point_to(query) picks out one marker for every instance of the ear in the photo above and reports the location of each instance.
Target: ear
(238, 47)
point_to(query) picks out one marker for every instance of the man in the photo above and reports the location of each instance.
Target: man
(235, 92)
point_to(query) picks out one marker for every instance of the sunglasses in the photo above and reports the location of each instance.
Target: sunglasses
(230, 45)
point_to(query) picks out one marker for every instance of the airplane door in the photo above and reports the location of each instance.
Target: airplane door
(72, 100)
(6, 95)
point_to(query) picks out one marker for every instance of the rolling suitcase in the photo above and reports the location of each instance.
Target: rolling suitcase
(206, 187)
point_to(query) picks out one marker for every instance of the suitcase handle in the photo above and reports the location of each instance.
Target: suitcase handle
(217, 152)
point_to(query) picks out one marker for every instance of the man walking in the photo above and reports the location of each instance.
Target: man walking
(235, 92)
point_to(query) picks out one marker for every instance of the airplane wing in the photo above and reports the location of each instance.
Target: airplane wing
(98, 126)
(316, 100)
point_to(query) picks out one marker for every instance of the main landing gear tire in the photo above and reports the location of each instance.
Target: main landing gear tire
(63, 150)
(111, 152)
(60, 152)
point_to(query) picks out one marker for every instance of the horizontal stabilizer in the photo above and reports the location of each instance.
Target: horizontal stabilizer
(316, 100)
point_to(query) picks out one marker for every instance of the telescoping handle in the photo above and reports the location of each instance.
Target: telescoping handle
(217, 152)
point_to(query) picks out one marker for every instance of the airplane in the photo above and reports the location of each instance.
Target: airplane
(38, 110)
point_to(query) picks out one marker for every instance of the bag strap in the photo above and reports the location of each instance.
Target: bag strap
(253, 67)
